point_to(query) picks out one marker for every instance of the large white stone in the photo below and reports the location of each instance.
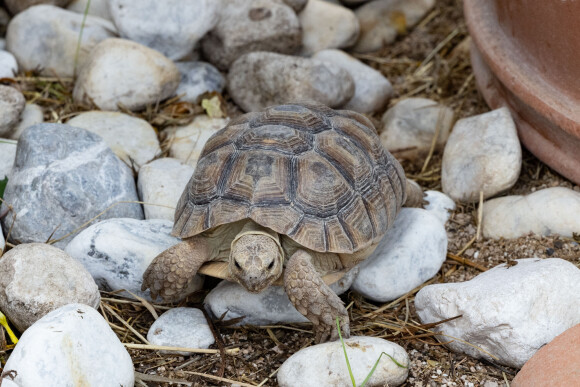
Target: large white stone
(132, 139)
(118, 251)
(172, 27)
(411, 252)
(121, 71)
(326, 25)
(256, 81)
(550, 211)
(31, 115)
(325, 364)
(7, 156)
(408, 127)
(187, 142)
(508, 311)
(99, 8)
(8, 65)
(372, 90)
(37, 278)
(439, 205)
(181, 327)
(71, 346)
(483, 153)
(11, 106)
(160, 185)
(382, 20)
(46, 37)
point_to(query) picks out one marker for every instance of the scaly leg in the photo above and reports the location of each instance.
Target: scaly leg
(314, 299)
(415, 195)
(172, 270)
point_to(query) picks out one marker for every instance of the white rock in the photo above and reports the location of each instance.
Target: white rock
(382, 20)
(325, 364)
(31, 115)
(187, 142)
(439, 205)
(326, 25)
(7, 156)
(118, 251)
(121, 71)
(8, 65)
(372, 89)
(198, 78)
(550, 211)
(160, 185)
(36, 278)
(2, 44)
(411, 252)
(11, 106)
(17, 6)
(267, 307)
(412, 123)
(508, 312)
(132, 139)
(46, 36)
(172, 27)
(181, 327)
(71, 346)
(483, 153)
(99, 8)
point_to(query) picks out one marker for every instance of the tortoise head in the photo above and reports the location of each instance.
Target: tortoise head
(256, 260)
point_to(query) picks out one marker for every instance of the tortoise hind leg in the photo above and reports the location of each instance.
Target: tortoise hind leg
(415, 195)
(314, 299)
(172, 270)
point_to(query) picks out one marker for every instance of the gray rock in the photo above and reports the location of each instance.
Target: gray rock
(372, 89)
(181, 327)
(483, 153)
(11, 106)
(326, 25)
(132, 139)
(71, 346)
(36, 279)
(17, 6)
(118, 251)
(550, 211)
(255, 81)
(325, 364)
(381, 20)
(186, 142)
(7, 156)
(296, 5)
(251, 25)
(4, 20)
(98, 8)
(160, 185)
(62, 178)
(411, 252)
(172, 27)
(508, 311)
(46, 37)
(198, 78)
(125, 72)
(31, 115)
(439, 205)
(408, 127)
(8, 65)
(267, 307)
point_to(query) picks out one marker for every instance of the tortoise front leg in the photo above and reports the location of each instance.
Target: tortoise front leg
(172, 270)
(314, 299)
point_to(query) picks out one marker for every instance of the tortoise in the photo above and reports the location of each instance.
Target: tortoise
(296, 192)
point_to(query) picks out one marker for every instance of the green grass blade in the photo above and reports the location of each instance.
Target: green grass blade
(345, 355)
(377, 363)
(81, 36)
(3, 186)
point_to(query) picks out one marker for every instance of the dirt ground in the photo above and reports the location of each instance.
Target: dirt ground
(431, 61)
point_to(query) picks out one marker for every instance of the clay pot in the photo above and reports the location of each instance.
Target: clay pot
(526, 56)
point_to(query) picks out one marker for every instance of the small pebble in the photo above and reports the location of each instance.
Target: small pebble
(12, 104)
(8, 65)
(198, 78)
(181, 327)
(31, 115)
(7, 157)
(99, 8)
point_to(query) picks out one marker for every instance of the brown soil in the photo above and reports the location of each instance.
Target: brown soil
(446, 77)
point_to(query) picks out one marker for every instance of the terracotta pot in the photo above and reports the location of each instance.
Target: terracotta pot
(526, 56)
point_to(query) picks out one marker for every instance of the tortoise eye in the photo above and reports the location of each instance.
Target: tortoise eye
(237, 264)
(271, 265)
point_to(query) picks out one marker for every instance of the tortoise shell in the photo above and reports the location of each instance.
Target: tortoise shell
(317, 175)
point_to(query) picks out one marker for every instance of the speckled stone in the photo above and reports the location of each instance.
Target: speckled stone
(118, 251)
(62, 178)
(11, 106)
(198, 78)
(7, 156)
